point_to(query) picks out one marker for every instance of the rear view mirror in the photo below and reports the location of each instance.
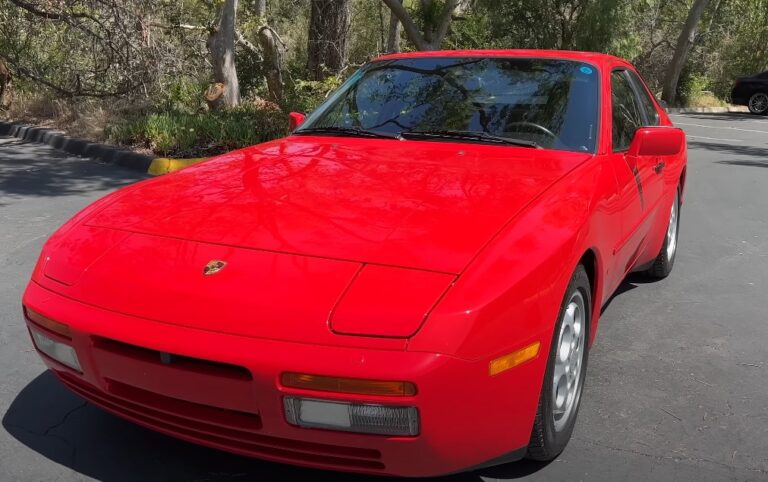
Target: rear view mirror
(657, 141)
(295, 119)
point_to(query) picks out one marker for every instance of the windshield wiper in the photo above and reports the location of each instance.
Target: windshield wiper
(468, 136)
(345, 131)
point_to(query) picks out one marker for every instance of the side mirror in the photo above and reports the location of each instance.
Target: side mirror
(657, 141)
(295, 119)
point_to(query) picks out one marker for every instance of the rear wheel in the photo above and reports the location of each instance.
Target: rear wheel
(758, 103)
(564, 377)
(664, 262)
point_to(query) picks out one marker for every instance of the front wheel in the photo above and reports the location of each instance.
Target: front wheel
(566, 368)
(758, 103)
(665, 260)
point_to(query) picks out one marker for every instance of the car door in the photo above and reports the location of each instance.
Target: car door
(639, 181)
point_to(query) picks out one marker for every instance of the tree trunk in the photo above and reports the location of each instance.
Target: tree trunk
(395, 27)
(5, 83)
(260, 8)
(273, 49)
(684, 44)
(221, 44)
(431, 38)
(327, 46)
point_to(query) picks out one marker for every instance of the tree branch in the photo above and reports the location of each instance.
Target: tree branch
(444, 21)
(71, 93)
(183, 26)
(240, 38)
(33, 9)
(411, 30)
(273, 32)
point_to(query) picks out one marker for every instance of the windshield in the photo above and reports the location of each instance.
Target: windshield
(546, 103)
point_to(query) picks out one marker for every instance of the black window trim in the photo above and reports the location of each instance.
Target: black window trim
(642, 90)
(623, 71)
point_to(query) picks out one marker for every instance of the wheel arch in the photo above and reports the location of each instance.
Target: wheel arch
(590, 260)
(683, 178)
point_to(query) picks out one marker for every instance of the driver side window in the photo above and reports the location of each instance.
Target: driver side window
(626, 115)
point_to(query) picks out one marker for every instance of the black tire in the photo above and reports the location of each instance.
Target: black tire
(547, 442)
(664, 262)
(758, 103)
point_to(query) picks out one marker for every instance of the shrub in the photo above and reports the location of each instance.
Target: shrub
(183, 94)
(693, 91)
(183, 134)
(306, 95)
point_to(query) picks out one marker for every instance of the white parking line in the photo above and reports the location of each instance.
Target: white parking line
(742, 118)
(713, 138)
(720, 127)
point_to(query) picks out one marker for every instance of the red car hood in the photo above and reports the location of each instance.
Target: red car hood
(423, 205)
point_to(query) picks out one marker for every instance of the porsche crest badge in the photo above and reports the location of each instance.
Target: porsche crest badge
(214, 267)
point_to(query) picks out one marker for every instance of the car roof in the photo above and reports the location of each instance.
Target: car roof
(596, 58)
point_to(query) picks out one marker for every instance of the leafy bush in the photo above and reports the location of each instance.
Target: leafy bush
(691, 84)
(306, 95)
(183, 94)
(182, 134)
(693, 90)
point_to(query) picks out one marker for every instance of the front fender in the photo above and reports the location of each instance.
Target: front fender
(510, 295)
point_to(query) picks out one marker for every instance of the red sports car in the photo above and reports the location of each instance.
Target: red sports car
(408, 284)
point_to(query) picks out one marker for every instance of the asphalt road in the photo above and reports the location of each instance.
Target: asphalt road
(676, 390)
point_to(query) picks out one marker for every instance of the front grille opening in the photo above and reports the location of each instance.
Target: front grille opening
(180, 362)
(220, 428)
(172, 408)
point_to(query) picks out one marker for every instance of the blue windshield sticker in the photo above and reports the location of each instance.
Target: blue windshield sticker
(586, 70)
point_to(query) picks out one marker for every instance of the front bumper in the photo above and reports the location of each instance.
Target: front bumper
(224, 391)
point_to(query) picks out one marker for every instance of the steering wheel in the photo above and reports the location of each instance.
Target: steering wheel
(536, 126)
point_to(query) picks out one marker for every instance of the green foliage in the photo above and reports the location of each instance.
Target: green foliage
(153, 53)
(182, 134)
(183, 94)
(691, 85)
(474, 31)
(306, 95)
(693, 90)
(250, 74)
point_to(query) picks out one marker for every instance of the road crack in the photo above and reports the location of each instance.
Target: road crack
(48, 432)
(63, 419)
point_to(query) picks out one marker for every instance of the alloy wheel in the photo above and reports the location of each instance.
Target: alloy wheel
(672, 229)
(758, 103)
(569, 359)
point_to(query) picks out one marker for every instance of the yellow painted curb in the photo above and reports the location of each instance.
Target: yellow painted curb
(164, 165)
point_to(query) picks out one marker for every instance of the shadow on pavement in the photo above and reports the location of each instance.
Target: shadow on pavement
(733, 149)
(28, 169)
(725, 116)
(745, 163)
(50, 420)
(632, 281)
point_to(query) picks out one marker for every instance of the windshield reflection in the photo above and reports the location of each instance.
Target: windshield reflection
(547, 102)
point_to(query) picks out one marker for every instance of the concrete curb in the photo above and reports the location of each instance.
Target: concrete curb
(78, 147)
(164, 165)
(707, 110)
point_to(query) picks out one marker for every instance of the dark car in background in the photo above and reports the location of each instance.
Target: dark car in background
(752, 92)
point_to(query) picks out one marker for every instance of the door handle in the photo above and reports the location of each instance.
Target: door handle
(659, 167)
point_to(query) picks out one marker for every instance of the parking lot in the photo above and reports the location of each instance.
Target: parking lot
(677, 387)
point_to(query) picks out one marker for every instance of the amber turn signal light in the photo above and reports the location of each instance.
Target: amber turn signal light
(513, 359)
(348, 385)
(47, 323)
